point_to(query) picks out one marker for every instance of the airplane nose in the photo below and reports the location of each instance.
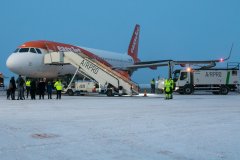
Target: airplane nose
(10, 62)
(13, 63)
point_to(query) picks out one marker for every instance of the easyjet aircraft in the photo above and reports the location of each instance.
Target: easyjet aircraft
(28, 58)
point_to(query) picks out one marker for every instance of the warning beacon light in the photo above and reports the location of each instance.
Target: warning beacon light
(189, 69)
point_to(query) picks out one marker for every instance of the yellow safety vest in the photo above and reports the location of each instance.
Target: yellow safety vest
(58, 85)
(152, 82)
(172, 83)
(28, 83)
(167, 85)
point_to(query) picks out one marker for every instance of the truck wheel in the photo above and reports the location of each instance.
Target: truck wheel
(224, 90)
(188, 89)
(70, 92)
(109, 93)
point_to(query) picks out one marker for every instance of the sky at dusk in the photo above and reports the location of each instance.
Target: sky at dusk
(173, 29)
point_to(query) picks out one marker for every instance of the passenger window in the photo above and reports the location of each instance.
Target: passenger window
(16, 50)
(38, 51)
(24, 50)
(183, 75)
(33, 50)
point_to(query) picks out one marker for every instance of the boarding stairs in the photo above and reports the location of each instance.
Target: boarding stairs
(95, 69)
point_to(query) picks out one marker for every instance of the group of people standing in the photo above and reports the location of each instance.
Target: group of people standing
(32, 88)
(168, 87)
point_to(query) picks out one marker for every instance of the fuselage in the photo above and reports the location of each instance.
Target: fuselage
(28, 59)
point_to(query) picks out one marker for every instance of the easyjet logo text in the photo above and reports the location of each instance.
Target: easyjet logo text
(67, 49)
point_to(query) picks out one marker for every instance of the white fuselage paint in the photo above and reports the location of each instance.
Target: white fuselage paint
(32, 65)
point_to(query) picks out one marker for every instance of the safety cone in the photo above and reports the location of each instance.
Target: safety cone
(145, 93)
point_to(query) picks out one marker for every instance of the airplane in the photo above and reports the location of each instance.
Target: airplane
(28, 58)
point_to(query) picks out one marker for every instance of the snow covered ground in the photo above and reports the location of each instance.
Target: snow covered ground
(196, 127)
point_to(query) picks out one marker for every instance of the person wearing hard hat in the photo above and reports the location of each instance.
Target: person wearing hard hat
(58, 86)
(28, 85)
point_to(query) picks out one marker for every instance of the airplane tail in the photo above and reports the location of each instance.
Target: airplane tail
(133, 46)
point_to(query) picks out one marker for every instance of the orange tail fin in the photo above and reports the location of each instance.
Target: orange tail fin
(133, 46)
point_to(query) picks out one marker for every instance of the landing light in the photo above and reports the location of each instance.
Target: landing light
(221, 59)
(189, 69)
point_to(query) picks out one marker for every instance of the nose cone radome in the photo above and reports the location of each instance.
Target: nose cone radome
(13, 63)
(10, 62)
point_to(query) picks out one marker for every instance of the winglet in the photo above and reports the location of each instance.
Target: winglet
(230, 53)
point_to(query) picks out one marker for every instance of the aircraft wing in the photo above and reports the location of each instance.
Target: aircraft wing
(162, 63)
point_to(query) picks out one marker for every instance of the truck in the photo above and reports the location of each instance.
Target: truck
(218, 81)
(81, 88)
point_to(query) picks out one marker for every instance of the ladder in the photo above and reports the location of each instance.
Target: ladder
(93, 68)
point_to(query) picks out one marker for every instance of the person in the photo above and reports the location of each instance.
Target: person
(8, 93)
(20, 86)
(49, 90)
(28, 85)
(12, 88)
(167, 89)
(58, 86)
(172, 86)
(33, 89)
(153, 85)
(41, 89)
(131, 89)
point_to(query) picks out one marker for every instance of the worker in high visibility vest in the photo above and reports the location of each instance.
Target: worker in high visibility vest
(28, 85)
(58, 86)
(172, 86)
(167, 88)
(152, 85)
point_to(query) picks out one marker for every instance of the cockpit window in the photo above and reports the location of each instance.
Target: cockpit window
(16, 50)
(38, 51)
(33, 50)
(24, 50)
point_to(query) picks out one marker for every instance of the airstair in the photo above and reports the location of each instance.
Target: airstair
(94, 69)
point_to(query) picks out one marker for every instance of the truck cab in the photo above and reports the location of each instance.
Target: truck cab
(183, 81)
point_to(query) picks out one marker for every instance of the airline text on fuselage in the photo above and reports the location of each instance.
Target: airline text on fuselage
(67, 49)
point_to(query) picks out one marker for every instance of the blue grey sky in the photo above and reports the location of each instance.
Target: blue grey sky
(170, 29)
